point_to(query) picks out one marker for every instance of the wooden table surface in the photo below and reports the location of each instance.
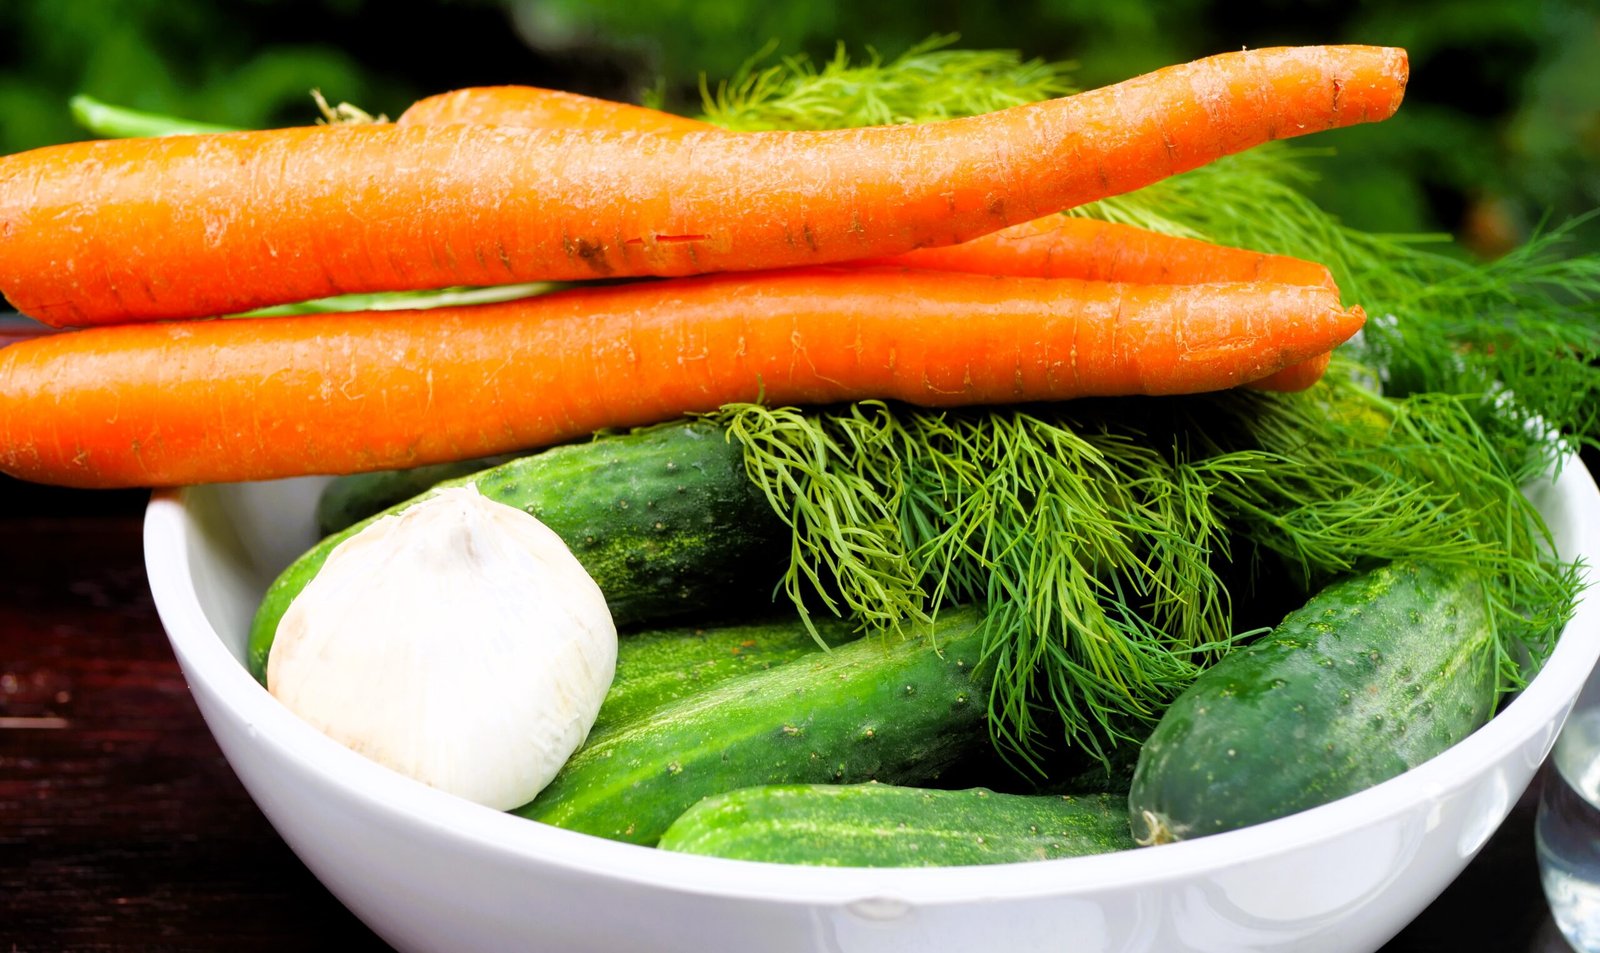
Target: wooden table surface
(122, 827)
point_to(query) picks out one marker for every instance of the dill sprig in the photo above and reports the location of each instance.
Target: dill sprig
(1101, 536)
(837, 492)
(928, 81)
(1092, 556)
(1358, 478)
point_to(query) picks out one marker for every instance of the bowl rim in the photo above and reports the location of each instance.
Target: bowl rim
(206, 660)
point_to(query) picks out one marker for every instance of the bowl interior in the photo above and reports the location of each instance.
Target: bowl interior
(239, 537)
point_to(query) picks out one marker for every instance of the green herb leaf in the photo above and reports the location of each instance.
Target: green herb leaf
(927, 82)
(1102, 537)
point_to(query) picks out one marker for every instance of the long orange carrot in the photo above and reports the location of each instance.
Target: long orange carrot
(1061, 247)
(1051, 247)
(194, 402)
(190, 226)
(534, 107)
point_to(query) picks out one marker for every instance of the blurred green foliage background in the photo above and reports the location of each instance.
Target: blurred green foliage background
(1500, 130)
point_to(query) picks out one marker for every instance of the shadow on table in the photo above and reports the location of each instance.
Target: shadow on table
(1549, 939)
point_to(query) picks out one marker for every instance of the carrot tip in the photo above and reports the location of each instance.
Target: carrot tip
(1355, 319)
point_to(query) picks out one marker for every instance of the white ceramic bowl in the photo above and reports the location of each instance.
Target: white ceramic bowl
(430, 872)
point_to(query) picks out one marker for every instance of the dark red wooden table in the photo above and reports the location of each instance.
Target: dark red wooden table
(122, 828)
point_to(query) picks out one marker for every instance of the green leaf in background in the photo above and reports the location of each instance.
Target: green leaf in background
(198, 60)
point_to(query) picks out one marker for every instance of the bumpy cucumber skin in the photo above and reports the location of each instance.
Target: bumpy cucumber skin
(349, 499)
(663, 666)
(1373, 676)
(886, 708)
(665, 520)
(882, 825)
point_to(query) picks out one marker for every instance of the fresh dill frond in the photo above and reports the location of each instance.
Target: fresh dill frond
(1092, 556)
(1102, 537)
(1356, 478)
(928, 82)
(846, 550)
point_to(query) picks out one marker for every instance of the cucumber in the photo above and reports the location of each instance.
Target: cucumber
(663, 666)
(881, 825)
(888, 708)
(1371, 677)
(348, 500)
(664, 519)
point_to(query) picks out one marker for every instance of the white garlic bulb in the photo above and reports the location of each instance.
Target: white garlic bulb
(458, 642)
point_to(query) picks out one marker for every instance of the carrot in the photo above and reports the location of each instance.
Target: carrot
(248, 399)
(533, 107)
(1052, 247)
(1087, 249)
(1061, 247)
(185, 226)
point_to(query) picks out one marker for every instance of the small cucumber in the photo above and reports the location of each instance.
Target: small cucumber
(349, 499)
(663, 666)
(881, 825)
(888, 708)
(1372, 676)
(665, 520)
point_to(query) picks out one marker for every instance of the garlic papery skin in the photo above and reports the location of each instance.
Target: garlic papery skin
(458, 642)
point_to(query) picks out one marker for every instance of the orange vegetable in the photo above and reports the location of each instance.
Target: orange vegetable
(1051, 247)
(1061, 247)
(533, 107)
(195, 402)
(188, 226)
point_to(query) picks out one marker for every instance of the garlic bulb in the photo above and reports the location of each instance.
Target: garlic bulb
(458, 642)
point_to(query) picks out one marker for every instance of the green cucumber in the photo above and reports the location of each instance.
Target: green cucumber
(1371, 677)
(665, 520)
(881, 825)
(663, 666)
(889, 708)
(348, 500)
